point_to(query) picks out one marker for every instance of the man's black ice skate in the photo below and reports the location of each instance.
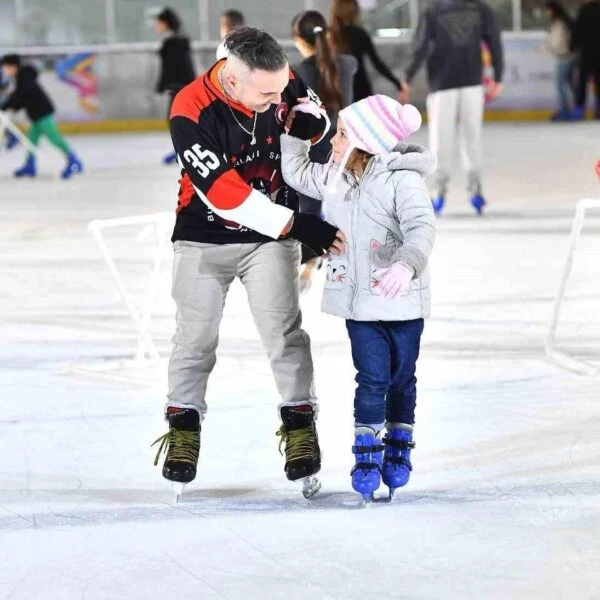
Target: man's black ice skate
(182, 446)
(302, 452)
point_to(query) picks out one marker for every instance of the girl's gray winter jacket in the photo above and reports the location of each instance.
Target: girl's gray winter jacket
(387, 218)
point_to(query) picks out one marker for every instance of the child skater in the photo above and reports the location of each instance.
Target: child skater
(373, 190)
(28, 94)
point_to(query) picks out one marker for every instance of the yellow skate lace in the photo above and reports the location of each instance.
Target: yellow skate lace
(299, 443)
(183, 446)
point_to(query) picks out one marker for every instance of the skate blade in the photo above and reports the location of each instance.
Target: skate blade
(310, 486)
(177, 491)
(366, 500)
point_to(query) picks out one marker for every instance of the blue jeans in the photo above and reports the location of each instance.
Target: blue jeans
(385, 356)
(563, 85)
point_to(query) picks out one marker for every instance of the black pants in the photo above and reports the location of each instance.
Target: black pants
(589, 67)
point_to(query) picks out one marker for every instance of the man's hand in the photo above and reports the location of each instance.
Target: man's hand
(318, 235)
(404, 93)
(339, 244)
(308, 122)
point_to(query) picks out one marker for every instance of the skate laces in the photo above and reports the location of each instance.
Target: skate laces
(299, 443)
(182, 446)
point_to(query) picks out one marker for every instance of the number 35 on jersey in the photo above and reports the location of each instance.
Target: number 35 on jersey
(204, 161)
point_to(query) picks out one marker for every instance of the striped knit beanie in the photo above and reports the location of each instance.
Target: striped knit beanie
(376, 124)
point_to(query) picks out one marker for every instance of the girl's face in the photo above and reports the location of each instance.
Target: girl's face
(160, 26)
(339, 142)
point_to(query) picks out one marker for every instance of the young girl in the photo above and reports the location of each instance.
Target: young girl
(373, 191)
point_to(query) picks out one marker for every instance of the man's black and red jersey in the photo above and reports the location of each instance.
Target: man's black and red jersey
(231, 191)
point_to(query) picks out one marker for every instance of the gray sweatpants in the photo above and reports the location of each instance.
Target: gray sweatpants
(455, 129)
(202, 274)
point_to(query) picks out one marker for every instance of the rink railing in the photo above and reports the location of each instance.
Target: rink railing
(553, 354)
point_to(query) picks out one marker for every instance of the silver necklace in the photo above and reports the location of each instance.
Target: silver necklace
(250, 133)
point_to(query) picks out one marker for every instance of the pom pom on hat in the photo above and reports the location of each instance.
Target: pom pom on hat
(376, 124)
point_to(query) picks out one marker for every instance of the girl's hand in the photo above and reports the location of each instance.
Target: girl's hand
(394, 281)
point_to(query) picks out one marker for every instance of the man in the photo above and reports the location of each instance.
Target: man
(237, 218)
(449, 36)
(586, 42)
(229, 20)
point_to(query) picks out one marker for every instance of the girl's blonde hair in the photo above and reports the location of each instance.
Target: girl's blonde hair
(358, 161)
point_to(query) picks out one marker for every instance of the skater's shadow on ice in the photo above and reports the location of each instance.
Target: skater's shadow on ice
(77, 508)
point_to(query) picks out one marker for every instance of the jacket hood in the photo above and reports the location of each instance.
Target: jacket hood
(27, 74)
(410, 157)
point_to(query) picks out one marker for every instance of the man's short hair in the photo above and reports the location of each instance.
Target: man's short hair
(234, 17)
(11, 59)
(256, 49)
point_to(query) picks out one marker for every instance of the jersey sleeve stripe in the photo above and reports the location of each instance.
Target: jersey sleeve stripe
(256, 212)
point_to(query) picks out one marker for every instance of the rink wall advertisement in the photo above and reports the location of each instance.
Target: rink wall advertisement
(100, 85)
(72, 83)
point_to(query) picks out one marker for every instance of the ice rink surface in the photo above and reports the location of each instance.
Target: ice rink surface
(504, 501)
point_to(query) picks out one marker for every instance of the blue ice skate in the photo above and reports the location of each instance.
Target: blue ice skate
(11, 140)
(478, 202)
(74, 165)
(366, 473)
(438, 204)
(29, 169)
(170, 158)
(577, 114)
(396, 460)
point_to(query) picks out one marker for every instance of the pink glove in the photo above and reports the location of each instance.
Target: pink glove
(394, 281)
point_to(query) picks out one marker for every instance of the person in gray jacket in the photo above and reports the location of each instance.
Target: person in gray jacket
(373, 190)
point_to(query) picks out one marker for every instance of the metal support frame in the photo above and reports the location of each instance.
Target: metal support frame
(552, 353)
(159, 225)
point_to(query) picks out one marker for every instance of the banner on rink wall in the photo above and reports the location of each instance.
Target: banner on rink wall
(71, 83)
(529, 74)
(128, 79)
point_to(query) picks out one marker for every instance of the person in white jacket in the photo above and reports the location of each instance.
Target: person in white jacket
(373, 190)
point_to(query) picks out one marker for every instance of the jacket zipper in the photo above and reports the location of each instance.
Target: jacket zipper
(354, 218)
(355, 202)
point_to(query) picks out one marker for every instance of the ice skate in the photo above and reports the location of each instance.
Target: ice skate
(170, 159)
(366, 473)
(74, 165)
(182, 447)
(438, 204)
(396, 469)
(29, 169)
(478, 202)
(11, 140)
(302, 452)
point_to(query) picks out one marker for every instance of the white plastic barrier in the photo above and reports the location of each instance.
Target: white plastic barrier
(552, 353)
(159, 225)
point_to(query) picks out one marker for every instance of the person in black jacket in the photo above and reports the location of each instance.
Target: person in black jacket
(331, 76)
(586, 41)
(29, 95)
(449, 35)
(177, 68)
(348, 37)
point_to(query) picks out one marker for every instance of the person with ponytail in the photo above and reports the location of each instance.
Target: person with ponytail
(331, 77)
(347, 36)
(177, 68)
